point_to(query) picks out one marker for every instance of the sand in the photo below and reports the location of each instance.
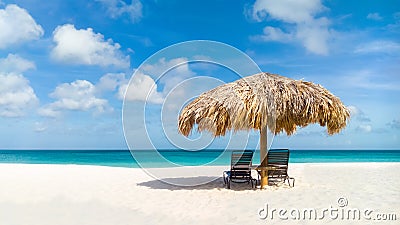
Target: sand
(79, 195)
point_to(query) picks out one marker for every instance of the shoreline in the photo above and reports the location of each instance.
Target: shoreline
(86, 194)
(168, 158)
(225, 165)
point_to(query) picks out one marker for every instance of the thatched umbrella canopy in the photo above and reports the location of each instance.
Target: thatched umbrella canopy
(260, 101)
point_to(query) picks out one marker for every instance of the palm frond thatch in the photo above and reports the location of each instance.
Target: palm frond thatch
(261, 100)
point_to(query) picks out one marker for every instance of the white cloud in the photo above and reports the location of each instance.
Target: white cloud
(15, 64)
(85, 47)
(274, 34)
(395, 124)
(17, 26)
(169, 72)
(141, 88)
(117, 8)
(381, 46)
(364, 128)
(372, 80)
(291, 11)
(40, 127)
(163, 65)
(82, 95)
(312, 31)
(49, 111)
(374, 16)
(315, 35)
(361, 120)
(16, 95)
(358, 114)
(79, 95)
(353, 110)
(111, 81)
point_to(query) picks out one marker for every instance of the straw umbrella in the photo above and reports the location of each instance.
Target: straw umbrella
(260, 102)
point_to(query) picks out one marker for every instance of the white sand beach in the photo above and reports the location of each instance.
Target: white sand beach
(80, 195)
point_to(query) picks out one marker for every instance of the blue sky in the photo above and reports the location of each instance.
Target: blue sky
(65, 65)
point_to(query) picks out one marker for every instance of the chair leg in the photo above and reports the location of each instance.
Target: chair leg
(228, 183)
(288, 180)
(293, 180)
(224, 177)
(255, 183)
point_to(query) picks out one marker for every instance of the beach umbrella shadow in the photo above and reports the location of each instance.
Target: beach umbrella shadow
(170, 184)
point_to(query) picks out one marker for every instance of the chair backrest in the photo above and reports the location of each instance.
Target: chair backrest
(241, 159)
(240, 165)
(278, 157)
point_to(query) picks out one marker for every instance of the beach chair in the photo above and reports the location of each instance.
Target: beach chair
(279, 159)
(240, 171)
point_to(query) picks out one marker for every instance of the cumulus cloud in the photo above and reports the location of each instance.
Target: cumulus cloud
(165, 73)
(292, 11)
(15, 64)
(366, 128)
(353, 110)
(17, 26)
(110, 82)
(374, 16)
(16, 95)
(372, 80)
(363, 122)
(274, 34)
(146, 82)
(79, 95)
(380, 46)
(315, 35)
(301, 16)
(395, 124)
(141, 88)
(40, 127)
(49, 111)
(117, 8)
(169, 72)
(85, 47)
(358, 114)
(163, 65)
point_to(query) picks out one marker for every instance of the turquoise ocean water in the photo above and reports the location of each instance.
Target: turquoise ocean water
(124, 158)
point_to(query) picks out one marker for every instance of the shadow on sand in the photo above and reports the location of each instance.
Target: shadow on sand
(194, 183)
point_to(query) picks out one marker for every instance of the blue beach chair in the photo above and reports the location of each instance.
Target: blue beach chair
(240, 171)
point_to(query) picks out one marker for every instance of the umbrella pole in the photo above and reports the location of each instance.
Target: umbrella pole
(263, 156)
